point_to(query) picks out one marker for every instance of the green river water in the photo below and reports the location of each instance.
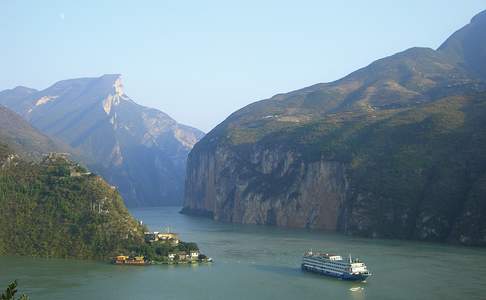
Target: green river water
(258, 262)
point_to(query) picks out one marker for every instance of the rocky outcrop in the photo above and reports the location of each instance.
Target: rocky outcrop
(272, 187)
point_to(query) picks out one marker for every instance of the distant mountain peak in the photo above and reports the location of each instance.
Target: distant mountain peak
(113, 77)
(479, 18)
(467, 46)
(21, 88)
(141, 150)
(112, 80)
(118, 93)
(19, 91)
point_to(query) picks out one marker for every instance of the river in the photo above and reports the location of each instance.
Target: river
(258, 262)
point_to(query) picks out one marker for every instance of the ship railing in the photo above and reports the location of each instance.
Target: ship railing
(322, 254)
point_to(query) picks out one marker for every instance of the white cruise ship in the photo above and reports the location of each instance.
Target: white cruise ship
(335, 266)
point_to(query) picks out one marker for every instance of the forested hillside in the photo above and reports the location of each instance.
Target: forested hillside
(56, 208)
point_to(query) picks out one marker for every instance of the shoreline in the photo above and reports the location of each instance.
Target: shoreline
(153, 262)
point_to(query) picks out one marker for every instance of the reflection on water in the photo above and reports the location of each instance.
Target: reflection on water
(357, 292)
(258, 262)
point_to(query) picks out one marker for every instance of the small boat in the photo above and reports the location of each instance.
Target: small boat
(335, 266)
(128, 260)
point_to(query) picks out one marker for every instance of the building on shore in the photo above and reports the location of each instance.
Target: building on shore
(169, 237)
(128, 260)
(184, 256)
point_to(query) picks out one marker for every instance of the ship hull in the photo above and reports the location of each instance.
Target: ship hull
(342, 276)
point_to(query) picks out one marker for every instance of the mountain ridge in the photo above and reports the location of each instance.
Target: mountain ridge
(123, 138)
(390, 150)
(26, 140)
(467, 45)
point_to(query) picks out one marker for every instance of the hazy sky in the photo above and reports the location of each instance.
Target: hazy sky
(201, 60)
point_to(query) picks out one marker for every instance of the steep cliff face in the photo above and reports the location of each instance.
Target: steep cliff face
(392, 150)
(272, 186)
(140, 150)
(414, 173)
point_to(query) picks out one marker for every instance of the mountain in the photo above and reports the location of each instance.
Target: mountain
(47, 202)
(17, 95)
(25, 140)
(395, 149)
(467, 46)
(56, 208)
(140, 150)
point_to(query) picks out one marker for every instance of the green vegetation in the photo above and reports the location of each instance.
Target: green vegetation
(9, 293)
(159, 251)
(56, 208)
(414, 172)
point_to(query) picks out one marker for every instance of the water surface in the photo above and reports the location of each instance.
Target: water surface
(258, 262)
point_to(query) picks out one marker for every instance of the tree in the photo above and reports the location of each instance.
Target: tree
(10, 292)
(183, 246)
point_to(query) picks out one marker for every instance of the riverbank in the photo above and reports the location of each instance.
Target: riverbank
(141, 261)
(203, 261)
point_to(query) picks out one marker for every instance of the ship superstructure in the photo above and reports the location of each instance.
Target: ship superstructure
(335, 266)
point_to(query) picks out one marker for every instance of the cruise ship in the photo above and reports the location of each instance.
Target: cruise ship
(335, 266)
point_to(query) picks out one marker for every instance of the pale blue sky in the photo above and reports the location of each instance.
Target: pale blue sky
(201, 60)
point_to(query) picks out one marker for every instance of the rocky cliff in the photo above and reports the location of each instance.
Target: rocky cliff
(392, 150)
(276, 187)
(140, 150)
